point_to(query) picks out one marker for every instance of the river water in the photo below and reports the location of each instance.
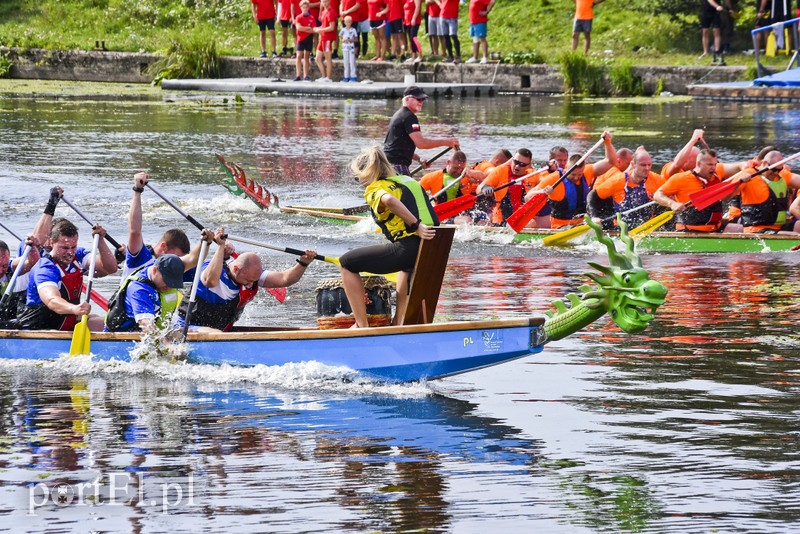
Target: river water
(691, 426)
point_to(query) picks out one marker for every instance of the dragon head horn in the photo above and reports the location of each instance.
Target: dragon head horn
(630, 254)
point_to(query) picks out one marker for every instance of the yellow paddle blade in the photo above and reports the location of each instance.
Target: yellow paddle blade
(81, 338)
(562, 237)
(652, 224)
(331, 259)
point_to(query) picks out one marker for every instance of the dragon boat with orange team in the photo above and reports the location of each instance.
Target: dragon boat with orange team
(657, 241)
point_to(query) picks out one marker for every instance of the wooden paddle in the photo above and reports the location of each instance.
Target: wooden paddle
(364, 207)
(193, 294)
(563, 237)
(706, 197)
(451, 208)
(528, 211)
(81, 337)
(118, 254)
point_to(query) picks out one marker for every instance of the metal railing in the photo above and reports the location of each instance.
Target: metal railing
(793, 39)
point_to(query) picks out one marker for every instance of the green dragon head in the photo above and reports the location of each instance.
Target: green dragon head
(625, 288)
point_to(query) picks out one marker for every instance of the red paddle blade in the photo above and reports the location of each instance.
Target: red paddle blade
(705, 197)
(278, 292)
(528, 211)
(451, 208)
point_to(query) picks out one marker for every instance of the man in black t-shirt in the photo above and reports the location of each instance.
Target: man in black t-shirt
(404, 135)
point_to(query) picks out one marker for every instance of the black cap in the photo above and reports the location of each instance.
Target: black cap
(171, 268)
(415, 91)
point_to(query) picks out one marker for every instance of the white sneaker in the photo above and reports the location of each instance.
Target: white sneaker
(471, 60)
(484, 61)
(323, 80)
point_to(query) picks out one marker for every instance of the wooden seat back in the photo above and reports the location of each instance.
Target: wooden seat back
(426, 280)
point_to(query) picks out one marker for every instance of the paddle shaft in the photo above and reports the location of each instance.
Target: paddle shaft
(10, 232)
(578, 163)
(83, 216)
(13, 281)
(434, 158)
(92, 265)
(200, 227)
(446, 187)
(626, 212)
(296, 252)
(195, 284)
(81, 336)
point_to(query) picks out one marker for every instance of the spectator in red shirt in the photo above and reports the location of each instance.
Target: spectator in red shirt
(264, 15)
(478, 27)
(304, 25)
(327, 37)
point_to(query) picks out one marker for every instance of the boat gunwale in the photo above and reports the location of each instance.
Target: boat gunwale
(271, 333)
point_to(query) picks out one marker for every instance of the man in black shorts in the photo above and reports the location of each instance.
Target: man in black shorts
(710, 20)
(404, 135)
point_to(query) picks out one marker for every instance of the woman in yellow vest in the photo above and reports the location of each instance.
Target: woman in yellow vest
(404, 214)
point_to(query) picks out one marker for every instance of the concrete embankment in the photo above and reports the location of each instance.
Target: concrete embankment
(133, 68)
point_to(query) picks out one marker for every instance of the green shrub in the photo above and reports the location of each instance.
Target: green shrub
(581, 75)
(196, 58)
(529, 57)
(750, 73)
(5, 66)
(623, 80)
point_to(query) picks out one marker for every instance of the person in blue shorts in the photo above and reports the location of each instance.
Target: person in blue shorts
(478, 27)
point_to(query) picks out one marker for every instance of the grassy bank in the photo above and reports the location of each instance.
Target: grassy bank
(629, 29)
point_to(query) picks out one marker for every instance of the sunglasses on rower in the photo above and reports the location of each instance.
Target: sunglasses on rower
(519, 163)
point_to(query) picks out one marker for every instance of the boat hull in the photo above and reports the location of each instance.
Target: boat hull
(679, 242)
(405, 353)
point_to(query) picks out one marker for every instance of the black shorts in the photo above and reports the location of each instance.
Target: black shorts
(396, 26)
(383, 259)
(268, 24)
(306, 45)
(709, 19)
(286, 24)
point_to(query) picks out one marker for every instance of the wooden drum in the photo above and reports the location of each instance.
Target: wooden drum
(333, 309)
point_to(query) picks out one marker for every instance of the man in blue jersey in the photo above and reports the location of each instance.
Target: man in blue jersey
(226, 287)
(173, 241)
(147, 296)
(54, 290)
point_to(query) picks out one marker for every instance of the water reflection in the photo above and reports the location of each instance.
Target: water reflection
(386, 462)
